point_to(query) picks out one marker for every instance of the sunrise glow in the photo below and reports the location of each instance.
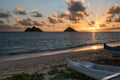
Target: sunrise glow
(57, 15)
(97, 24)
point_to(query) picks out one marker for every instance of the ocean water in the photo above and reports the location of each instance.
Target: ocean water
(31, 42)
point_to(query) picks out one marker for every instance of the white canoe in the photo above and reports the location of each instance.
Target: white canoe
(96, 71)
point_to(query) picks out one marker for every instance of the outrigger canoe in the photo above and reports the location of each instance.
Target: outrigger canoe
(116, 48)
(96, 71)
(115, 51)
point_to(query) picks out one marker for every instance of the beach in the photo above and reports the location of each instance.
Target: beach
(39, 38)
(44, 63)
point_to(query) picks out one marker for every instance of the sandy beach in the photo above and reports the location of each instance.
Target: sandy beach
(38, 37)
(41, 64)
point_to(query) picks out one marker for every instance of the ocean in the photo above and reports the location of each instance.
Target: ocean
(13, 43)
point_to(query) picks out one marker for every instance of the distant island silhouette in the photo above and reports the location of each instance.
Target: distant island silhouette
(69, 29)
(33, 29)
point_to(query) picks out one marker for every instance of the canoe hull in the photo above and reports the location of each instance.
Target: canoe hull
(89, 71)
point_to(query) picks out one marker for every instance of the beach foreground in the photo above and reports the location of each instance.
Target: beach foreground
(44, 63)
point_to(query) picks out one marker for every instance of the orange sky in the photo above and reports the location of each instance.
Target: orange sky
(56, 16)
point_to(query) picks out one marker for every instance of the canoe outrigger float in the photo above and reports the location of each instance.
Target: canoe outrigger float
(96, 71)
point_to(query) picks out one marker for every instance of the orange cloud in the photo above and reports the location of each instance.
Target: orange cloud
(113, 14)
(20, 11)
(36, 13)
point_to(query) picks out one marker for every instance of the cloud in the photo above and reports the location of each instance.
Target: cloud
(6, 27)
(16, 18)
(114, 28)
(114, 9)
(36, 13)
(36, 23)
(29, 22)
(113, 14)
(117, 19)
(55, 20)
(20, 11)
(82, 1)
(26, 22)
(52, 20)
(91, 23)
(43, 23)
(1, 22)
(87, 5)
(108, 17)
(76, 10)
(103, 25)
(55, 15)
(4, 14)
(75, 5)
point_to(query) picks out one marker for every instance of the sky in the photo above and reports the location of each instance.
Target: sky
(57, 15)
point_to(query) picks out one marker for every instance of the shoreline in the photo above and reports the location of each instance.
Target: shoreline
(53, 52)
(43, 63)
(48, 53)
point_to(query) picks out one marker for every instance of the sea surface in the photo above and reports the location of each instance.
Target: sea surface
(13, 43)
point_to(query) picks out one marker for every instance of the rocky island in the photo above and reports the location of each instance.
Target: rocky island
(69, 29)
(33, 29)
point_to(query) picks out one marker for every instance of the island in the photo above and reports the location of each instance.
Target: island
(33, 29)
(69, 29)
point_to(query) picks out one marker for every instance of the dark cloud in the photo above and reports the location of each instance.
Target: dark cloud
(4, 14)
(102, 25)
(92, 23)
(76, 10)
(52, 20)
(20, 11)
(1, 22)
(55, 20)
(75, 6)
(36, 13)
(36, 23)
(44, 23)
(114, 9)
(29, 22)
(113, 14)
(117, 19)
(73, 16)
(26, 22)
(109, 18)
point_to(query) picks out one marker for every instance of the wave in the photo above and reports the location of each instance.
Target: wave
(37, 53)
(50, 50)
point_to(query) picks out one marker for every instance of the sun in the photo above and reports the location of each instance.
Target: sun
(92, 29)
(95, 27)
(97, 24)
